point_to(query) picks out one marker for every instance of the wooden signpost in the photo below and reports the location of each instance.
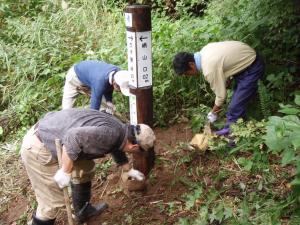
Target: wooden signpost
(138, 35)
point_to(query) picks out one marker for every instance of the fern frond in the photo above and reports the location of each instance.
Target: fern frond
(265, 100)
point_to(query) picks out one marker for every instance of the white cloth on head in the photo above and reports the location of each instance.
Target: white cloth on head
(145, 137)
(122, 79)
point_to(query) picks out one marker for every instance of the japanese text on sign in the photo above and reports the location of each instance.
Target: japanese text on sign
(132, 63)
(139, 58)
(144, 58)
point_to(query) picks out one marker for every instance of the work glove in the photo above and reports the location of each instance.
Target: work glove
(212, 117)
(110, 108)
(62, 178)
(136, 175)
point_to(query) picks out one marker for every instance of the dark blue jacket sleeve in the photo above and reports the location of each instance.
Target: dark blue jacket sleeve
(96, 97)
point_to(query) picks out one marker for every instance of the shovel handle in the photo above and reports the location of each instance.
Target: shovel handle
(65, 189)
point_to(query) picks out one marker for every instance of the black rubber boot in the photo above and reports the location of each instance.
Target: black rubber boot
(81, 195)
(36, 221)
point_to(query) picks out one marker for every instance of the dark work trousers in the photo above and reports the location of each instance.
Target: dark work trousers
(245, 88)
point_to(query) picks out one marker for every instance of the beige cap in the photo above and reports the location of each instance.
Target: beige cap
(145, 136)
(122, 79)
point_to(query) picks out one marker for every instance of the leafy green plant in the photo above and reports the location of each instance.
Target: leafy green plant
(102, 169)
(283, 137)
(173, 207)
(198, 117)
(278, 85)
(192, 197)
(245, 138)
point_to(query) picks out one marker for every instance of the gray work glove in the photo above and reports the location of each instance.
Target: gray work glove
(212, 117)
(136, 175)
(110, 108)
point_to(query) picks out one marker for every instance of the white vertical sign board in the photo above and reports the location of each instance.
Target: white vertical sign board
(139, 62)
(144, 58)
(139, 58)
(133, 110)
(131, 53)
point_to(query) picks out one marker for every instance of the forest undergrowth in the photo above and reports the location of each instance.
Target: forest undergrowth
(40, 40)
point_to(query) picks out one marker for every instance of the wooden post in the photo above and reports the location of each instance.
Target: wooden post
(138, 34)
